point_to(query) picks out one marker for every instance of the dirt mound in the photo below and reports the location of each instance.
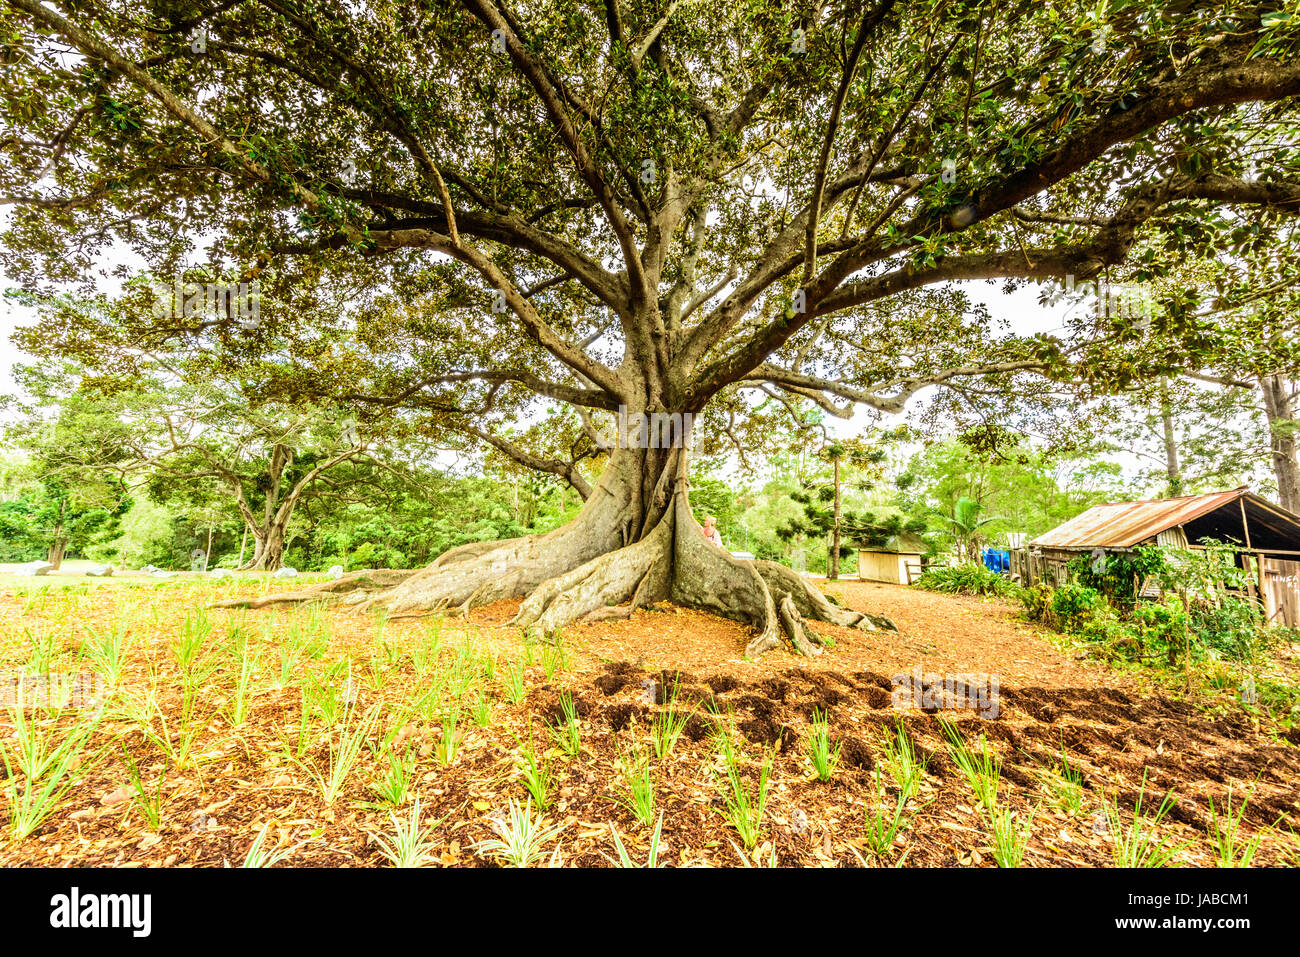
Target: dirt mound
(1109, 736)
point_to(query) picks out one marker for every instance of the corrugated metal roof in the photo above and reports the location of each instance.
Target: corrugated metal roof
(1125, 524)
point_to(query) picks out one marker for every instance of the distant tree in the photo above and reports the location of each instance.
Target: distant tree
(186, 432)
(965, 524)
(860, 464)
(71, 493)
(1213, 360)
(268, 459)
(1016, 486)
(1194, 436)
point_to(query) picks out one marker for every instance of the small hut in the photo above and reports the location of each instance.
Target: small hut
(898, 562)
(1268, 535)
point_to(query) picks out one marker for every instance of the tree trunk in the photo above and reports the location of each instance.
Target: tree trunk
(633, 543)
(1173, 470)
(268, 534)
(835, 532)
(268, 548)
(58, 541)
(1280, 408)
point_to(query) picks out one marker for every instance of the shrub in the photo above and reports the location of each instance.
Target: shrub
(1073, 604)
(1279, 699)
(968, 578)
(1284, 635)
(1119, 638)
(1230, 629)
(1037, 600)
(1118, 576)
(1198, 615)
(1162, 624)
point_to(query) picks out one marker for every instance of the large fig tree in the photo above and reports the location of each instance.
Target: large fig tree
(634, 208)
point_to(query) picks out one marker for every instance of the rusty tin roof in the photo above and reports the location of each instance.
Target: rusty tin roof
(1125, 524)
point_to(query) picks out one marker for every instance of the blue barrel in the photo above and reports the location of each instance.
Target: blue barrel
(997, 560)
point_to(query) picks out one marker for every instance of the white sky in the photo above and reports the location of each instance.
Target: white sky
(1020, 309)
(11, 317)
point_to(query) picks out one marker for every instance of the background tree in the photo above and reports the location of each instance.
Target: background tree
(190, 433)
(1229, 321)
(822, 501)
(1195, 436)
(70, 492)
(966, 524)
(1018, 487)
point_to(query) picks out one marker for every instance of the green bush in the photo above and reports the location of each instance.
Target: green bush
(1104, 627)
(1162, 626)
(1117, 576)
(1155, 630)
(1279, 699)
(1074, 604)
(1037, 600)
(967, 579)
(1197, 616)
(1231, 629)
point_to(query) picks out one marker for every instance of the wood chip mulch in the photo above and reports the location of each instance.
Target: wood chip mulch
(1115, 730)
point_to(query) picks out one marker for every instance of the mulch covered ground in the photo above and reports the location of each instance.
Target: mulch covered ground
(241, 776)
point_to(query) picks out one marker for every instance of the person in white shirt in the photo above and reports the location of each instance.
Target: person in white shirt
(710, 530)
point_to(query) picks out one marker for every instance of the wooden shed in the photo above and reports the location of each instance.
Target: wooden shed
(898, 563)
(1268, 535)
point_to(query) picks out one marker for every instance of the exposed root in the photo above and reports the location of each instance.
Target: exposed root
(776, 600)
(353, 588)
(806, 641)
(470, 550)
(584, 571)
(621, 612)
(638, 572)
(708, 578)
(519, 567)
(491, 590)
(812, 603)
